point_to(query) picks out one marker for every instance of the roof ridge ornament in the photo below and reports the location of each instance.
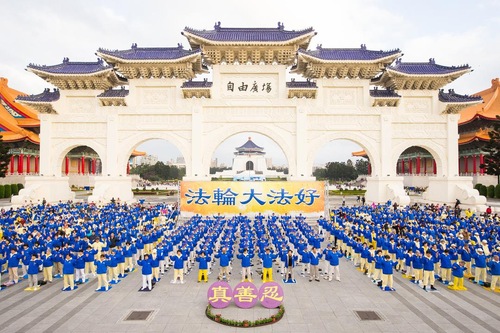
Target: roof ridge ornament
(217, 25)
(281, 25)
(134, 46)
(179, 46)
(363, 46)
(432, 61)
(65, 60)
(319, 47)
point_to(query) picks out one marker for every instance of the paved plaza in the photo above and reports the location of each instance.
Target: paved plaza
(310, 307)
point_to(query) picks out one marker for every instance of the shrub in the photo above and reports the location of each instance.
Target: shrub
(491, 191)
(14, 189)
(8, 191)
(20, 186)
(478, 186)
(2, 191)
(497, 191)
(483, 190)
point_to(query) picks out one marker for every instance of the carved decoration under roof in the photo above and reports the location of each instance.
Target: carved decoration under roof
(155, 62)
(343, 63)
(113, 97)
(196, 89)
(301, 89)
(419, 75)
(384, 97)
(249, 45)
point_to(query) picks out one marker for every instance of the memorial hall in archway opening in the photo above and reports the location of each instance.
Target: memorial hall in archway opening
(129, 96)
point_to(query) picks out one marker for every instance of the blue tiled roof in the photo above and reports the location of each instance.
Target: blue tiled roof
(70, 67)
(361, 54)
(249, 145)
(150, 53)
(452, 97)
(425, 68)
(383, 93)
(197, 84)
(220, 34)
(301, 84)
(46, 96)
(114, 93)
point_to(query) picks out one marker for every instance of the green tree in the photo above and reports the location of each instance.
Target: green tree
(8, 192)
(158, 172)
(4, 157)
(492, 148)
(340, 171)
(2, 191)
(491, 191)
(14, 189)
(361, 166)
(497, 191)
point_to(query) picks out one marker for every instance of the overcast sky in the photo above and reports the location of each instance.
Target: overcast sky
(453, 32)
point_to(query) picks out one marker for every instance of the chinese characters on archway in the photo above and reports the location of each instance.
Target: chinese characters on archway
(253, 87)
(246, 197)
(245, 295)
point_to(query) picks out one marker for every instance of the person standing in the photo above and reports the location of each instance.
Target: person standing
(428, 261)
(494, 266)
(32, 271)
(202, 267)
(267, 265)
(290, 264)
(224, 259)
(246, 264)
(314, 257)
(101, 270)
(147, 273)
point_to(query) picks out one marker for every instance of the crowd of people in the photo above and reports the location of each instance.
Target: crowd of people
(79, 241)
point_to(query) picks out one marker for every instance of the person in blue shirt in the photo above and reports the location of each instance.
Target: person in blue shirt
(314, 257)
(147, 273)
(445, 266)
(387, 273)
(32, 271)
(246, 264)
(480, 270)
(457, 270)
(418, 267)
(224, 260)
(267, 265)
(429, 277)
(178, 261)
(333, 260)
(48, 265)
(494, 266)
(69, 272)
(305, 261)
(202, 267)
(13, 265)
(377, 271)
(101, 268)
(80, 268)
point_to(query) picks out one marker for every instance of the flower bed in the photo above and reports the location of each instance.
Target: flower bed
(244, 323)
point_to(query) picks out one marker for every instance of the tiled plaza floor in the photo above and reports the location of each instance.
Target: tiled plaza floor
(310, 307)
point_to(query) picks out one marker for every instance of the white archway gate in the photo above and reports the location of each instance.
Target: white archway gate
(249, 92)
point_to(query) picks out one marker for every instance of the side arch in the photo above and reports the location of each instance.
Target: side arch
(128, 145)
(61, 149)
(432, 147)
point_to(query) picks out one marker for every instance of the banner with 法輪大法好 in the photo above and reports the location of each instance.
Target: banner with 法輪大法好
(206, 198)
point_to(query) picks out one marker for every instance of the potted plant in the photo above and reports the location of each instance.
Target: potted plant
(217, 317)
(245, 323)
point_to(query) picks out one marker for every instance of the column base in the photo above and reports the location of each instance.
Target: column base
(38, 188)
(383, 189)
(449, 189)
(108, 188)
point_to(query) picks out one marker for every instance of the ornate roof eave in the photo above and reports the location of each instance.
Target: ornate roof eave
(414, 82)
(117, 60)
(385, 101)
(41, 107)
(302, 41)
(383, 60)
(456, 74)
(100, 80)
(453, 108)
